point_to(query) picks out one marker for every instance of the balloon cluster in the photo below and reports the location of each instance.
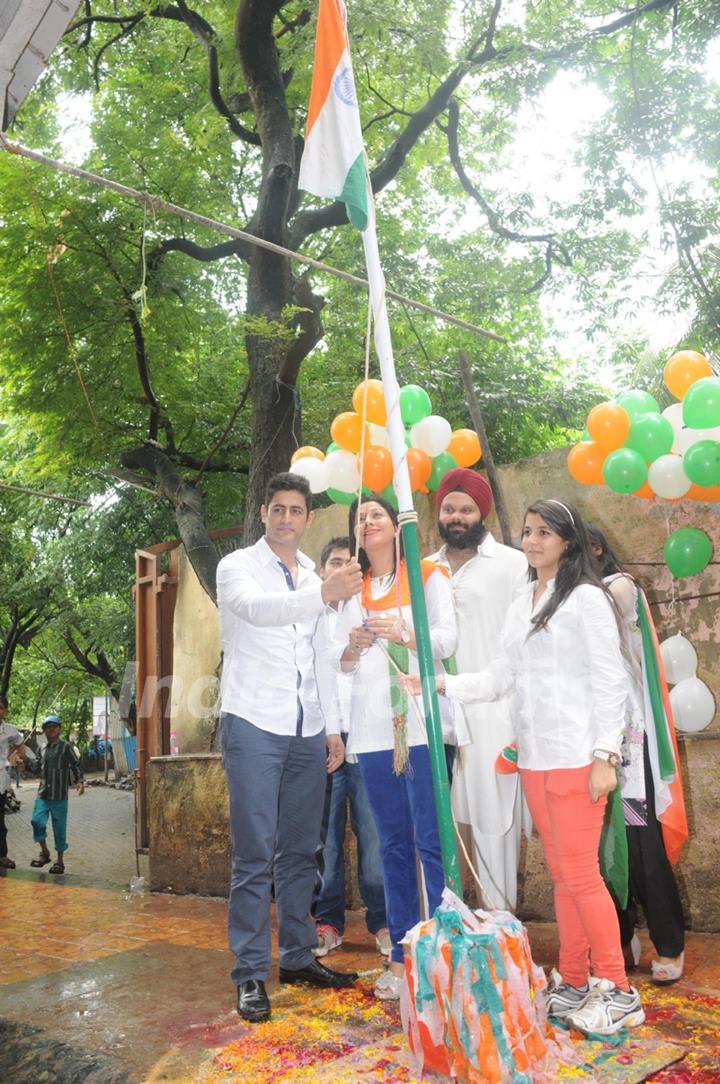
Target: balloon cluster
(633, 448)
(433, 447)
(692, 702)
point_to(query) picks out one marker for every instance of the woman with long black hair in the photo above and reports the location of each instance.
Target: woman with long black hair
(375, 637)
(561, 661)
(645, 784)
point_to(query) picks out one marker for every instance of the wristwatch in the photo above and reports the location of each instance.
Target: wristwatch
(613, 759)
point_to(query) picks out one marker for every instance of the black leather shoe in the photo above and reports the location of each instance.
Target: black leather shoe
(253, 1004)
(316, 974)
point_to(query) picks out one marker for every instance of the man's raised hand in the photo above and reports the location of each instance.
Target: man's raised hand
(343, 583)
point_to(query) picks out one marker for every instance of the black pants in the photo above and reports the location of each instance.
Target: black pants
(652, 883)
(3, 828)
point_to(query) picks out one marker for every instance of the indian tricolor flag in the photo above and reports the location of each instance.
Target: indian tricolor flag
(333, 162)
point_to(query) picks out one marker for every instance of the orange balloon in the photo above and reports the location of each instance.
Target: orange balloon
(465, 447)
(346, 430)
(375, 411)
(646, 492)
(704, 493)
(608, 424)
(419, 468)
(585, 463)
(683, 369)
(307, 452)
(377, 469)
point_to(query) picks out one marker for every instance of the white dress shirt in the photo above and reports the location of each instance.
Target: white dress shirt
(10, 737)
(371, 714)
(266, 629)
(568, 681)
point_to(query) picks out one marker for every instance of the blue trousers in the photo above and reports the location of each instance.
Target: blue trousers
(404, 810)
(346, 784)
(43, 809)
(276, 785)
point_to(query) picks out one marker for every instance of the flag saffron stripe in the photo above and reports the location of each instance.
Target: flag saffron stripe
(330, 44)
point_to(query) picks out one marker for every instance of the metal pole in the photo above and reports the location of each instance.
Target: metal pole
(401, 481)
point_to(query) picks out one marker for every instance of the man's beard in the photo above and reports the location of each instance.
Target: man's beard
(462, 538)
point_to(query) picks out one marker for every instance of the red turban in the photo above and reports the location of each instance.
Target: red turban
(470, 482)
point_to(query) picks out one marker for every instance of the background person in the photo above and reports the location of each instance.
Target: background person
(11, 747)
(345, 786)
(645, 793)
(273, 742)
(560, 656)
(58, 765)
(486, 577)
(390, 743)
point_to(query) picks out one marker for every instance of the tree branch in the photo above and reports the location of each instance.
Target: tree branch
(205, 254)
(205, 34)
(553, 247)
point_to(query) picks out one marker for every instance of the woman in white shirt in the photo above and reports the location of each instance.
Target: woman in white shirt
(646, 791)
(561, 662)
(384, 732)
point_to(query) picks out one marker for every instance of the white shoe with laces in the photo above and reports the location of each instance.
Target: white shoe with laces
(607, 1009)
(562, 998)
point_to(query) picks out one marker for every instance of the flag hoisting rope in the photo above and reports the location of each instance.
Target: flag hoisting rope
(334, 166)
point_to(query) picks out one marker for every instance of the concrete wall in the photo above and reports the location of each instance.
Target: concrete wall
(196, 659)
(187, 797)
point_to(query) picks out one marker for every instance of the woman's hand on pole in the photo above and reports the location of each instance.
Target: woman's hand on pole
(603, 779)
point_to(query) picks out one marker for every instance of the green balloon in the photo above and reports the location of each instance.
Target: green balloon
(389, 494)
(687, 551)
(333, 447)
(624, 470)
(340, 497)
(651, 435)
(414, 404)
(585, 435)
(701, 462)
(701, 405)
(441, 464)
(638, 402)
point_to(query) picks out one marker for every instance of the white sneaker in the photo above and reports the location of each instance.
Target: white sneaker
(562, 998)
(388, 986)
(328, 940)
(607, 1009)
(383, 942)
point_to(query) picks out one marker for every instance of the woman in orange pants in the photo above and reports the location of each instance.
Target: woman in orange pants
(561, 659)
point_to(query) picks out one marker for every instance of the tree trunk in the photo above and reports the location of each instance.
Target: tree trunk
(189, 505)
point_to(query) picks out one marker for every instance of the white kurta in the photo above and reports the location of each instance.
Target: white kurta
(491, 805)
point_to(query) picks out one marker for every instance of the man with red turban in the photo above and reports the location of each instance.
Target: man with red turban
(485, 578)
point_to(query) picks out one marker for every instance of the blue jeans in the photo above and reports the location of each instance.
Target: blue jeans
(276, 785)
(58, 811)
(404, 810)
(329, 903)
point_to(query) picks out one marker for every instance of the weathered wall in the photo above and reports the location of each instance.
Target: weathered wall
(190, 849)
(196, 658)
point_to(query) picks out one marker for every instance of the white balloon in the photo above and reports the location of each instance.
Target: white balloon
(679, 659)
(673, 414)
(315, 470)
(431, 435)
(379, 435)
(342, 472)
(688, 437)
(693, 705)
(667, 476)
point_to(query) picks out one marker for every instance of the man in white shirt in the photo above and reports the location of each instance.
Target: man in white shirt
(11, 746)
(273, 742)
(486, 576)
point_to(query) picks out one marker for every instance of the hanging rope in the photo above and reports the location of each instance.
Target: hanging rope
(155, 203)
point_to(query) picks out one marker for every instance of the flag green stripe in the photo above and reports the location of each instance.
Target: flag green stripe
(354, 194)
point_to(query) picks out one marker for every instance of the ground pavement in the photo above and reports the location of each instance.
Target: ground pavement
(102, 985)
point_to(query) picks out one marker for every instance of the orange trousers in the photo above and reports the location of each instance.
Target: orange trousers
(569, 826)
